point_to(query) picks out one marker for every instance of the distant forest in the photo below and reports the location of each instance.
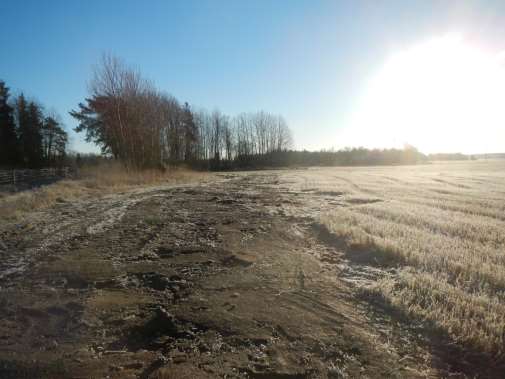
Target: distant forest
(29, 138)
(135, 123)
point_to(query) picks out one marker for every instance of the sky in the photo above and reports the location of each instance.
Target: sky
(324, 65)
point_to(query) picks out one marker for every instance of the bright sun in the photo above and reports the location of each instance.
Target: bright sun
(441, 96)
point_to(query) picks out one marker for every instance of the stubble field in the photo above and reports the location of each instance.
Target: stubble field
(435, 234)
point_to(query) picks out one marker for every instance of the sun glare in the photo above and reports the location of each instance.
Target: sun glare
(443, 95)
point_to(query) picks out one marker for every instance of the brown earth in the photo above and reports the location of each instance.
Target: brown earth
(232, 278)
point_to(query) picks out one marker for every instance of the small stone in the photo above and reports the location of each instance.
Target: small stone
(235, 294)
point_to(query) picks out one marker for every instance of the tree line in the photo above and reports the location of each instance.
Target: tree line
(359, 156)
(133, 121)
(28, 136)
(143, 127)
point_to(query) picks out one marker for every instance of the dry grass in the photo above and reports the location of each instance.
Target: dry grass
(445, 226)
(92, 182)
(475, 319)
(115, 176)
(14, 206)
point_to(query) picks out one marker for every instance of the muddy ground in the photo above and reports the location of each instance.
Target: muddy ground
(233, 278)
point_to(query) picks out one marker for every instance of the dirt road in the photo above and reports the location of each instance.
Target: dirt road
(231, 278)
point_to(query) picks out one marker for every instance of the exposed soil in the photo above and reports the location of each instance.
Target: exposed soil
(232, 278)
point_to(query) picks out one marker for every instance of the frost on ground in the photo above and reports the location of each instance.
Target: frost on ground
(274, 274)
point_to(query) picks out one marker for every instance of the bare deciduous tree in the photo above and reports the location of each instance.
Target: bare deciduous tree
(130, 119)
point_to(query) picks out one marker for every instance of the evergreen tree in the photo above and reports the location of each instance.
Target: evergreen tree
(91, 121)
(22, 119)
(29, 117)
(54, 140)
(190, 134)
(9, 146)
(36, 153)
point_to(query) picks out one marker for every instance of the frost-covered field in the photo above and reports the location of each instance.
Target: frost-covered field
(438, 233)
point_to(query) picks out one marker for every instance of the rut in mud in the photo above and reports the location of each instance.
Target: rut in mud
(233, 278)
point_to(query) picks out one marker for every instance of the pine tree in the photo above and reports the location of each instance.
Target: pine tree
(23, 120)
(9, 144)
(190, 133)
(29, 118)
(36, 153)
(54, 140)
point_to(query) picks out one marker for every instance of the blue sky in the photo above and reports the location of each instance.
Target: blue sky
(307, 60)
